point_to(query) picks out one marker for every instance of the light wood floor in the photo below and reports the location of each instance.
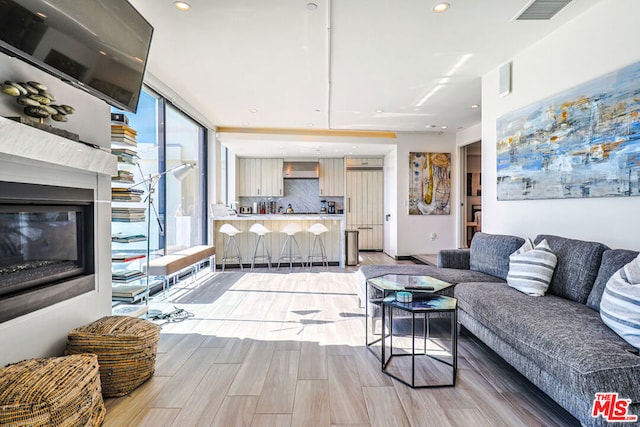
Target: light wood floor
(279, 349)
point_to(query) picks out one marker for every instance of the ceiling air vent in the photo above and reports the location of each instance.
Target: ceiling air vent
(543, 9)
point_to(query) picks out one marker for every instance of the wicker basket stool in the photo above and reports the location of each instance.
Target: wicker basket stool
(126, 350)
(57, 391)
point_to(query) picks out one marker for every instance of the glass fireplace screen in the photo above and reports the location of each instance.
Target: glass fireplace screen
(40, 244)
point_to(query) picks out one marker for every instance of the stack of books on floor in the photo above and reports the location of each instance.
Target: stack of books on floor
(128, 293)
(123, 134)
(129, 310)
(124, 194)
(125, 155)
(128, 214)
(125, 275)
(132, 292)
(128, 237)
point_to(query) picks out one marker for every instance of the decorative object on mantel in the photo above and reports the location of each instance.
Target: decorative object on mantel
(429, 183)
(582, 142)
(37, 103)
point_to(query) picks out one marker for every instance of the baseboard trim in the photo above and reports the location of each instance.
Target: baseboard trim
(418, 260)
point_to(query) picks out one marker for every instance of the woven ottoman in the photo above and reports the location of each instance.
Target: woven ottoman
(126, 349)
(57, 391)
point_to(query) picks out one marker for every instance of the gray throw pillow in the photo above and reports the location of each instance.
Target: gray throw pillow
(612, 261)
(490, 253)
(577, 267)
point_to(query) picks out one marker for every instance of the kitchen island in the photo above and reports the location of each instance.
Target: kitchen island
(333, 239)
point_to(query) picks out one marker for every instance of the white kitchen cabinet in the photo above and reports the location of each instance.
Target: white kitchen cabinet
(271, 180)
(249, 177)
(260, 177)
(364, 207)
(369, 236)
(364, 162)
(331, 177)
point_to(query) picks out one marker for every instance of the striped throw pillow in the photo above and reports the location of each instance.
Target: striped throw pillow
(530, 270)
(526, 247)
(620, 304)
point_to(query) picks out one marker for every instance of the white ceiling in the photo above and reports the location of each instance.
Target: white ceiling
(388, 65)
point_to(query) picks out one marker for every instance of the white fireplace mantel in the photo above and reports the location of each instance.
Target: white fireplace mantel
(33, 156)
(29, 144)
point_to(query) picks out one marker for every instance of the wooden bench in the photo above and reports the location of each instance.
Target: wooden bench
(170, 265)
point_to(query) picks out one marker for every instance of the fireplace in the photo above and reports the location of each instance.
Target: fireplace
(46, 246)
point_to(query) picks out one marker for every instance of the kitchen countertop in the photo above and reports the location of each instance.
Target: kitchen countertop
(279, 217)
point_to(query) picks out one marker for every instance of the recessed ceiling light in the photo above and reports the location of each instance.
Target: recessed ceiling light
(102, 52)
(353, 146)
(475, 106)
(312, 6)
(253, 110)
(443, 127)
(41, 15)
(138, 59)
(379, 111)
(310, 125)
(245, 124)
(441, 7)
(182, 5)
(430, 126)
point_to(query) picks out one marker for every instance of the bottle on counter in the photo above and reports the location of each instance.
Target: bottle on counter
(262, 209)
(289, 209)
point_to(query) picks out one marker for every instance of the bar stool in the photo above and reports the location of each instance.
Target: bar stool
(260, 230)
(287, 253)
(317, 230)
(231, 232)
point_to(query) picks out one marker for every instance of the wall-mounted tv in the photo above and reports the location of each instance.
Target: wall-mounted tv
(100, 46)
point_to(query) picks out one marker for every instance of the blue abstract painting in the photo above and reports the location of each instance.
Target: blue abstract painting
(583, 142)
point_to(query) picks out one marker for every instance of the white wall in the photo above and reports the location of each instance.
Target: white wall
(413, 231)
(390, 246)
(469, 135)
(91, 120)
(44, 332)
(595, 43)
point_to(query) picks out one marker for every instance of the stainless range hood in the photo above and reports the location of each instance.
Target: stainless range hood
(300, 170)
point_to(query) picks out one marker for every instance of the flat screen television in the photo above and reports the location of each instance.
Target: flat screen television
(100, 46)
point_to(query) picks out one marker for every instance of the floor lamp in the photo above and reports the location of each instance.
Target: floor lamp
(179, 172)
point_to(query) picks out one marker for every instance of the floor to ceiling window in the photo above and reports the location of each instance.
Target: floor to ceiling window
(185, 198)
(167, 138)
(148, 150)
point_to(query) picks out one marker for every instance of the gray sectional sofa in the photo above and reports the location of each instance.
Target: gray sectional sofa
(557, 341)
